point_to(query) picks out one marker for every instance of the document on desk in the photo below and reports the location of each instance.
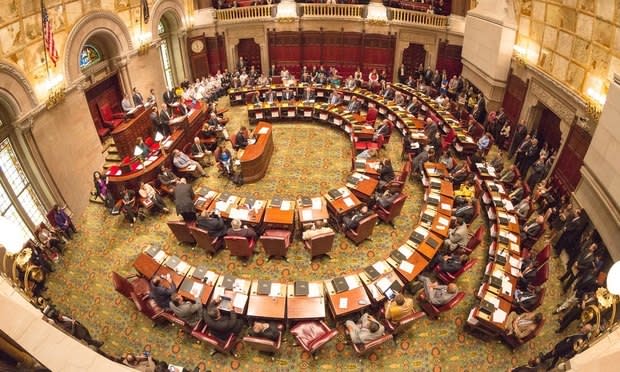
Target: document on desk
(317, 203)
(507, 287)
(263, 130)
(514, 262)
(196, 289)
(445, 206)
(406, 266)
(221, 206)
(444, 221)
(182, 267)
(276, 290)
(241, 214)
(160, 256)
(306, 214)
(491, 298)
(348, 202)
(351, 280)
(314, 290)
(381, 266)
(383, 284)
(240, 300)
(406, 251)
(343, 303)
(217, 292)
(285, 206)
(499, 316)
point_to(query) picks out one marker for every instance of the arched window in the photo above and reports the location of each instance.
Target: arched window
(165, 54)
(89, 56)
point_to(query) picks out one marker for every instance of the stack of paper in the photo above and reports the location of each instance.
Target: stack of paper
(240, 300)
(344, 303)
(406, 266)
(348, 202)
(285, 206)
(351, 280)
(314, 290)
(317, 203)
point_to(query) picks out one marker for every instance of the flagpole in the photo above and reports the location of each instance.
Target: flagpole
(47, 68)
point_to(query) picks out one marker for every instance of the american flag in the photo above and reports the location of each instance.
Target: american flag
(48, 35)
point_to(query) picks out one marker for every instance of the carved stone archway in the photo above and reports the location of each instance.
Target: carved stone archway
(103, 23)
(173, 8)
(15, 90)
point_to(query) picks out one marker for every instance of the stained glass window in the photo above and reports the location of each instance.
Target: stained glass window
(89, 56)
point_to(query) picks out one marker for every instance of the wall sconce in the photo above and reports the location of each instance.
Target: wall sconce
(55, 90)
(144, 42)
(595, 96)
(12, 242)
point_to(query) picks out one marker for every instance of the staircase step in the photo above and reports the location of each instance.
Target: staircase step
(112, 158)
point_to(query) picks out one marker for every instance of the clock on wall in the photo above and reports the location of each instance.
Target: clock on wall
(197, 46)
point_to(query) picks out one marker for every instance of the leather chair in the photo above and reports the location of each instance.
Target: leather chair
(239, 246)
(312, 335)
(514, 342)
(539, 300)
(276, 243)
(201, 333)
(388, 215)
(205, 241)
(475, 240)
(52, 221)
(265, 345)
(364, 230)
(542, 274)
(320, 245)
(529, 242)
(398, 183)
(404, 324)
(447, 278)
(148, 307)
(371, 116)
(543, 256)
(180, 229)
(139, 286)
(434, 311)
(110, 119)
(363, 349)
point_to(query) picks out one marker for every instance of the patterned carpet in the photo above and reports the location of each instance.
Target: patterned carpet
(309, 159)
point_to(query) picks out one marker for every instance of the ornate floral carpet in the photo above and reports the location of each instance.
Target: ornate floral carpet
(309, 159)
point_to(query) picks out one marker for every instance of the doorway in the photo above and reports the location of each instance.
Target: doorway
(250, 51)
(547, 128)
(413, 56)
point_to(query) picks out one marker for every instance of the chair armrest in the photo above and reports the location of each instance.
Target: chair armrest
(118, 115)
(323, 339)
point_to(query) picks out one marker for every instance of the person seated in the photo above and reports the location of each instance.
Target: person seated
(384, 129)
(457, 236)
(498, 162)
(437, 294)
(149, 193)
(414, 106)
(464, 193)
(183, 162)
(224, 158)
(465, 211)
(241, 139)
(386, 174)
(532, 229)
(268, 330)
(141, 363)
(367, 154)
(213, 223)
(398, 308)
(522, 325)
(219, 126)
(126, 103)
(287, 94)
(50, 240)
(447, 160)
(334, 98)
(222, 326)
(141, 150)
(191, 312)
(160, 293)
(508, 176)
(527, 274)
(365, 330)
(270, 96)
(354, 106)
(315, 229)
(201, 152)
(459, 174)
(167, 178)
(244, 231)
(516, 195)
(384, 200)
(484, 142)
(417, 165)
(308, 95)
(450, 263)
(526, 298)
(523, 208)
(352, 220)
(63, 221)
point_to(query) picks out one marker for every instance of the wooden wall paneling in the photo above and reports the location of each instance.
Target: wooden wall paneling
(198, 61)
(213, 54)
(413, 56)
(516, 89)
(571, 158)
(449, 59)
(221, 44)
(107, 91)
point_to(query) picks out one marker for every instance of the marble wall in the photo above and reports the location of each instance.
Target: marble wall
(576, 41)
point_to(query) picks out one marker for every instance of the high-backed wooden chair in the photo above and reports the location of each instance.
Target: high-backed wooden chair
(320, 245)
(126, 287)
(371, 116)
(475, 240)
(180, 229)
(110, 119)
(400, 179)
(364, 230)
(542, 274)
(266, 345)
(388, 215)
(205, 241)
(201, 332)
(276, 243)
(313, 335)
(397, 327)
(364, 349)
(446, 277)
(239, 246)
(433, 311)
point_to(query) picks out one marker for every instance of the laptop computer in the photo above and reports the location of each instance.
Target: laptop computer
(301, 288)
(353, 180)
(432, 200)
(224, 197)
(432, 242)
(264, 287)
(495, 282)
(416, 237)
(501, 260)
(487, 307)
(340, 284)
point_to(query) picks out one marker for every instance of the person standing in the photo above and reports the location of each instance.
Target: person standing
(184, 201)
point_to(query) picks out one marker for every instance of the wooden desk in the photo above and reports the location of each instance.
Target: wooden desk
(271, 306)
(177, 269)
(427, 249)
(435, 169)
(238, 295)
(147, 266)
(256, 157)
(125, 134)
(445, 203)
(339, 207)
(311, 306)
(485, 171)
(202, 203)
(368, 167)
(202, 288)
(386, 275)
(445, 187)
(279, 218)
(417, 260)
(318, 212)
(365, 187)
(498, 325)
(224, 205)
(352, 300)
(434, 221)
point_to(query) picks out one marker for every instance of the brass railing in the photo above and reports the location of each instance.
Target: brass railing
(419, 18)
(332, 10)
(244, 13)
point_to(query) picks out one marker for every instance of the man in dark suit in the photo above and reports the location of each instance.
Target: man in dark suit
(532, 229)
(352, 220)
(450, 263)
(167, 178)
(214, 224)
(354, 105)
(237, 230)
(221, 326)
(568, 347)
(191, 312)
(184, 200)
(137, 97)
(270, 96)
(571, 232)
(308, 95)
(164, 119)
(265, 330)
(465, 211)
(169, 97)
(287, 94)
(241, 139)
(585, 262)
(160, 293)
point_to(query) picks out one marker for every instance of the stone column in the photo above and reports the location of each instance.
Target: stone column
(490, 31)
(598, 191)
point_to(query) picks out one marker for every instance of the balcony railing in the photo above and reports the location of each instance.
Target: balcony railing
(245, 13)
(419, 18)
(332, 10)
